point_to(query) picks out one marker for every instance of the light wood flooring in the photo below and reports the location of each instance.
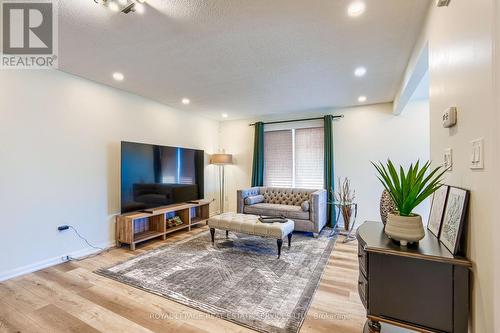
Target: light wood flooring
(70, 298)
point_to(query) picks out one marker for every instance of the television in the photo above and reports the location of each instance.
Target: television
(153, 175)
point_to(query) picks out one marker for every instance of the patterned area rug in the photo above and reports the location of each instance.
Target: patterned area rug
(239, 279)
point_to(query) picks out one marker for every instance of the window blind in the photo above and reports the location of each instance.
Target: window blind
(278, 159)
(294, 158)
(309, 157)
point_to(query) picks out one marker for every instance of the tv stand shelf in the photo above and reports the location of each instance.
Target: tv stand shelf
(136, 227)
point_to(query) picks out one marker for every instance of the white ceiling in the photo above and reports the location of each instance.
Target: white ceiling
(243, 57)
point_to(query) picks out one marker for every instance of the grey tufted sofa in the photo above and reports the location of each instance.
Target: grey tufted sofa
(287, 202)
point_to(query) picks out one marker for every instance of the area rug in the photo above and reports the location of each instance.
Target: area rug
(238, 279)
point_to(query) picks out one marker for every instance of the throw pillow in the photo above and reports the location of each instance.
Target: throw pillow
(254, 199)
(305, 205)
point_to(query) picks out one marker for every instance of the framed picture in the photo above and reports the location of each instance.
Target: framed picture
(437, 210)
(454, 218)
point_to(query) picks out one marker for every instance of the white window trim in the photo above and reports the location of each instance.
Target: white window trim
(294, 125)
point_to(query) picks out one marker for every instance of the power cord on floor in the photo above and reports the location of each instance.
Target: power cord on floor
(85, 239)
(101, 249)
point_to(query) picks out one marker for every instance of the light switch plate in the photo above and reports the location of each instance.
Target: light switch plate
(448, 159)
(477, 154)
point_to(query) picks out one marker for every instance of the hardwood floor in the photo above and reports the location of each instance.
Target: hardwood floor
(70, 298)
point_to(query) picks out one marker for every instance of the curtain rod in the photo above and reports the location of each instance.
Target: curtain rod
(294, 120)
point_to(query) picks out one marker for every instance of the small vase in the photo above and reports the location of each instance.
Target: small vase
(405, 229)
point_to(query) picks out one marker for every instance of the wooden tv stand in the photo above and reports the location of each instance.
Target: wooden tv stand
(136, 227)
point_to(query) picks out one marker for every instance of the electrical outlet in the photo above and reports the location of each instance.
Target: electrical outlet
(448, 159)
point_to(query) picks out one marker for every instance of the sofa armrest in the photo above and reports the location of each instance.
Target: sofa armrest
(318, 209)
(242, 194)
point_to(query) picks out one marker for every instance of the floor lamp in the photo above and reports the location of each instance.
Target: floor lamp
(221, 160)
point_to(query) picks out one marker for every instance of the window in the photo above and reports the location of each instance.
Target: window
(309, 157)
(278, 158)
(294, 158)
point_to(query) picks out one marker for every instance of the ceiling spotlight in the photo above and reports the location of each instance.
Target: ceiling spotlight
(113, 6)
(124, 6)
(118, 76)
(224, 115)
(443, 3)
(356, 9)
(362, 99)
(360, 71)
(139, 7)
(186, 101)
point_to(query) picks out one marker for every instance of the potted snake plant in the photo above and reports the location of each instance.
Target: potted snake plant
(408, 189)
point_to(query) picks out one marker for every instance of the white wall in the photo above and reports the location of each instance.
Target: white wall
(496, 230)
(60, 160)
(373, 133)
(462, 68)
(367, 133)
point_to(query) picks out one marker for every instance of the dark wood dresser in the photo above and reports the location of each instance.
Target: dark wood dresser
(422, 287)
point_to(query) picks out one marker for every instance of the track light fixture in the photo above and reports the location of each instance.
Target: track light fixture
(124, 6)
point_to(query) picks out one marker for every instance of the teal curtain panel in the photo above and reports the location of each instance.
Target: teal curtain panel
(258, 155)
(329, 169)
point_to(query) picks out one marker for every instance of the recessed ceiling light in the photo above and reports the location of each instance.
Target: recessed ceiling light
(224, 115)
(356, 9)
(139, 8)
(114, 6)
(362, 99)
(360, 71)
(118, 76)
(186, 101)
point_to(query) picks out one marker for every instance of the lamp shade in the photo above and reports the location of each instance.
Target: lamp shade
(221, 159)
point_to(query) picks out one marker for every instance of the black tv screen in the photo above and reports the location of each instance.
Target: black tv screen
(153, 176)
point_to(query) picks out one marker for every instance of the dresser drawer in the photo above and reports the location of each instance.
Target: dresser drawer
(363, 289)
(363, 260)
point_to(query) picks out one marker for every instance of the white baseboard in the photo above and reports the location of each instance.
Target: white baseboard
(51, 262)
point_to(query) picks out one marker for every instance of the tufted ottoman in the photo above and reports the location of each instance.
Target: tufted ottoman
(250, 224)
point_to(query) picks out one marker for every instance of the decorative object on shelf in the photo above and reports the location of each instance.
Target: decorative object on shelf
(221, 160)
(345, 197)
(124, 6)
(437, 210)
(174, 221)
(387, 206)
(454, 218)
(408, 189)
